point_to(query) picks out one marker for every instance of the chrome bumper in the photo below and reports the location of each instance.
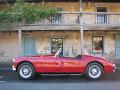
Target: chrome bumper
(13, 68)
(114, 67)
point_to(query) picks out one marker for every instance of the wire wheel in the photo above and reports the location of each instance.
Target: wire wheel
(26, 71)
(94, 71)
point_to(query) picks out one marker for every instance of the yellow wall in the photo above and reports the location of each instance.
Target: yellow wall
(87, 7)
(8, 46)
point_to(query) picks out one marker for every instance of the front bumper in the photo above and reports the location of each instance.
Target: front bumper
(13, 68)
(114, 67)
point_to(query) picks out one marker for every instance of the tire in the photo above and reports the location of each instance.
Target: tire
(26, 71)
(94, 71)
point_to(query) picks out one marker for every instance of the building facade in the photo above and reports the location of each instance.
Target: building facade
(101, 25)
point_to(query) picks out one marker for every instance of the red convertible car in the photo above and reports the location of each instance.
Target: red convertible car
(93, 67)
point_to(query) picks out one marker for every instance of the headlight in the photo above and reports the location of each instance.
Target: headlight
(13, 60)
(114, 65)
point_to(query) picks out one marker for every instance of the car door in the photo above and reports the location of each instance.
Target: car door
(70, 65)
(50, 65)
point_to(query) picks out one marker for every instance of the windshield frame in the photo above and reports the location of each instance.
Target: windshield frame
(58, 52)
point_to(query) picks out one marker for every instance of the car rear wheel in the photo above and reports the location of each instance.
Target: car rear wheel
(26, 71)
(94, 71)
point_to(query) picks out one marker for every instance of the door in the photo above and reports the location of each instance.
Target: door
(117, 41)
(50, 65)
(101, 18)
(28, 46)
(70, 65)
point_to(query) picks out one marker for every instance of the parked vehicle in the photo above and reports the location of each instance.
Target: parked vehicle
(93, 67)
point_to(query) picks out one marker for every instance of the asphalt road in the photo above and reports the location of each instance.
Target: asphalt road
(10, 81)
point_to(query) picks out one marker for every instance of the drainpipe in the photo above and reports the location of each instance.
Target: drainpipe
(81, 27)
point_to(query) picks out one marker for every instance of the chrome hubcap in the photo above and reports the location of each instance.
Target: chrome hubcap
(94, 71)
(25, 71)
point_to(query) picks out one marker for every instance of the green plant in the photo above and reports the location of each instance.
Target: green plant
(24, 13)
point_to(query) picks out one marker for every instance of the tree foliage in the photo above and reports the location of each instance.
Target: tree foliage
(24, 13)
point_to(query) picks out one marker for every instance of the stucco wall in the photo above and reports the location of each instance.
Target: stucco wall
(74, 6)
(108, 39)
(8, 46)
(43, 44)
(87, 7)
(71, 43)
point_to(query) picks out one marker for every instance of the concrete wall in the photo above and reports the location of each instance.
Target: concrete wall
(9, 43)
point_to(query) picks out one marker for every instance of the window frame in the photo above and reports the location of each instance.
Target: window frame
(103, 45)
(102, 18)
(51, 44)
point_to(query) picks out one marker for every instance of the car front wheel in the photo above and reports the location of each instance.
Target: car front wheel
(94, 71)
(26, 71)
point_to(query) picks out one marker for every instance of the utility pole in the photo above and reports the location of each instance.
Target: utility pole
(81, 27)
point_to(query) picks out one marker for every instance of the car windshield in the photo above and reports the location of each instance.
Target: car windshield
(58, 52)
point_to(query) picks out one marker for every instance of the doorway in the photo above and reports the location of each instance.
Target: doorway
(28, 46)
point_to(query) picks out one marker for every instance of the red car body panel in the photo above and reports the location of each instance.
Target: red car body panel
(51, 64)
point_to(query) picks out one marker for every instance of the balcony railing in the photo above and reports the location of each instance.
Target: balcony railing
(99, 18)
(89, 18)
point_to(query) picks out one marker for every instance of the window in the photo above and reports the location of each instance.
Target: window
(56, 43)
(97, 44)
(101, 9)
(57, 19)
(101, 18)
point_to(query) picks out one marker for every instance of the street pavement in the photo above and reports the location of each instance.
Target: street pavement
(10, 81)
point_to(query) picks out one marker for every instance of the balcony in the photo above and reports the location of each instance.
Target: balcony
(71, 21)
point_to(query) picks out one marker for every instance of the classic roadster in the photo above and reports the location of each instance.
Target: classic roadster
(93, 67)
